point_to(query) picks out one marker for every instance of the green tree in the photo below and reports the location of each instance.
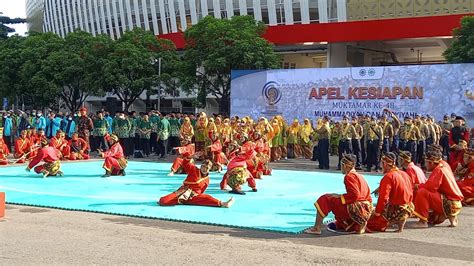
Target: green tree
(214, 47)
(11, 61)
(4, 21)
(133, 65)
(462, 48)
(74, 68)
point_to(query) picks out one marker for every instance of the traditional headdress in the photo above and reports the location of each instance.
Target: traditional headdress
(389, 158)
(349, 159)
(434, 156)
(435, 147)
(405, 155)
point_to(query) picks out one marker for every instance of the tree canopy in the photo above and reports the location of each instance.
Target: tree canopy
(462, 48)
(214, 47)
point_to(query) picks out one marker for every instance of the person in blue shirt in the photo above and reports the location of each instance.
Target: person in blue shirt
(7, 125)
(52, 125)
(39, 122)
(70, 127)
(109, 120)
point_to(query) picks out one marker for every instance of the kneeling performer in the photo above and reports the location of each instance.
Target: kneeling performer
(115, 162)
(49, 155)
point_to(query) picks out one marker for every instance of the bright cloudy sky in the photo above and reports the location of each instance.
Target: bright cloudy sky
(14, 9)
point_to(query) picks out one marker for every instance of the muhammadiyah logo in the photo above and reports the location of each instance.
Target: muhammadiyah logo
(271, 92)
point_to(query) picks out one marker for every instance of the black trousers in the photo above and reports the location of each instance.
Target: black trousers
(162, 147)
(100, 143)
(444, 142)
(356, 148)
(124, 143)
(345, 146)
(373, 153)
(153, 142)
(173, 142)
(8, 141)
(323, 153)
(420, 152)
(411, 147)
(145, 146)
(363, 151)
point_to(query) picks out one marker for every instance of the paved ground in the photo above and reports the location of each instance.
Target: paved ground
(48, 236)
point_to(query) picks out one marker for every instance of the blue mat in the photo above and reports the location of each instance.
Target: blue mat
(283, 203)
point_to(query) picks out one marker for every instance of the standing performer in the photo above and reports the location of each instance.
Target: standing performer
(440, 194)
(395, 203)
(215, 152)
(115, 162)
(193, 188)
(49, 155)
(352, 209)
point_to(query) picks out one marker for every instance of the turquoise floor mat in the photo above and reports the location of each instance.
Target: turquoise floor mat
(283, 203)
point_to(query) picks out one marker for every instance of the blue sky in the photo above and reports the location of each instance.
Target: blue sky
(13, 9)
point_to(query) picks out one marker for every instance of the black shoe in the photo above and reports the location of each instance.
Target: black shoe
(254, 190)
(122, 173)
(237, 192)
(107, 174)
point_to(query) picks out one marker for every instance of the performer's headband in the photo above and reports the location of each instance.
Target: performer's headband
(348, 160)
(405, 155)
(434, 156)
(389, 158)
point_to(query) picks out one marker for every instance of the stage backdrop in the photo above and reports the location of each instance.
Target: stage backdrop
(311, 93)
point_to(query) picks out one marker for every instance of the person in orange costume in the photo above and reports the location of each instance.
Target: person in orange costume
(352, 209)
(217, 156)
(4, 151)
(415, 173)
(457, 157)
(466, 182)
(49, 155)
(78, 148)
(22, 147)
(238, 174)
(115, 162)
(35, 141)
(59, 143)
(395, 203)
(440, 194)
(186, 152)
(193, 188)
(457, 134)
(263, 156)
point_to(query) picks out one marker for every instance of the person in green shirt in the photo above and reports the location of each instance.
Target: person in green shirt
(155, 120)
(164, 129)
(121, 128)
(144, 132)
(175, 125)
(101, 126)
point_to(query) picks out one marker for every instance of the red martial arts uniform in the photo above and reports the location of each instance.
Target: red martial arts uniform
(416, 175)
(456, 134)
(35, 141)
(4, 152)
(218, 157)
(263, 158)
(78, 149)
(466, 185)
(22, 146)
(114, 159)
(51, 161)
(62, 146)
(440, 194)
(237, 168)
(352, 209)
(186, 153)
(395, 202)
(192, 190)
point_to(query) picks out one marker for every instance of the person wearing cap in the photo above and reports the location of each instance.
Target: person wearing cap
(61, 144)
(409, 136)
(84, 125)
(49, 155)
(4, 150)
(323, 132)
(466, 181)
(356, 141)
(421, 144)
(22, 147)
(115, 162)
(193, 188)
(352, 209)
(440, 194)
(373, 144)
(348, 132)
(388, 133)
(417, 176)
(457, 134)
(395, 197)
(78, 148)
(395, 123)
(185, 153)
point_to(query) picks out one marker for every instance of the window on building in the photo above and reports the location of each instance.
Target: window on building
(313, 11)
(280, 11)
(264, 7)
(296, 6)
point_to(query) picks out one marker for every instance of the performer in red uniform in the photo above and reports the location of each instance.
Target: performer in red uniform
(440, 194)
(456, 134)
(466, 182)
(22, 147)
(263, 156)
(237, 172)
(4, 151)
(186, 152)
(115, 162)
(458, 157)
(415, 173)
(78, 148)
(395, 203)
(193, 188)
(218, 158)
(49, 155)
(352, 209)
(35, 141)
(59, 143)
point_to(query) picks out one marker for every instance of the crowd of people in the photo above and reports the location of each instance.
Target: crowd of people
(402, 150)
